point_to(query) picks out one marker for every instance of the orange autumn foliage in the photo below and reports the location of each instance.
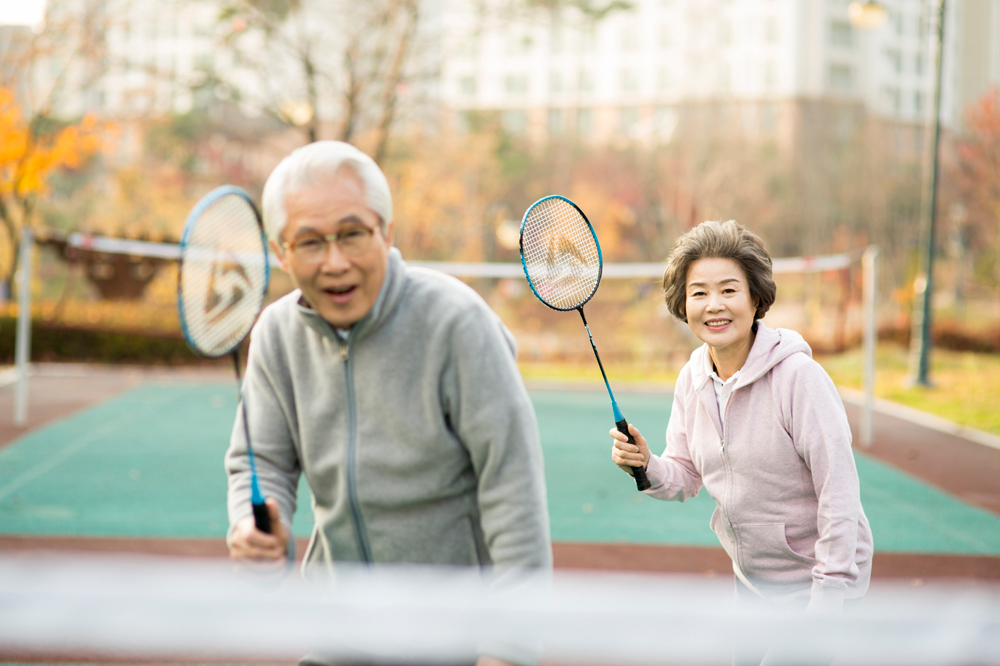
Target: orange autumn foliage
(26, 162)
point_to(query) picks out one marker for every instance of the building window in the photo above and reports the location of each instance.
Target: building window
(585, 81)
(726, 33)
(918, 102)
(630, 38)
(516, 84)
(666, 37)
(556, 82)
(628, 116)
(467, 86)
(584, 122)
(586, 41)
(725, 80)
(666, 121)
(895, 60)
(768, 118)
(629, 81)
(841, 77)
(557, 122)
(515, 121)
(770, 75)
(557, 41)
(518, 44)
(771, 30)
(892, 98)
(918, 64)
(841, 34)
(664, 79)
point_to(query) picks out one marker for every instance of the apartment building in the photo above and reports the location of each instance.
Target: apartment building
(760, 69)
(756, 68)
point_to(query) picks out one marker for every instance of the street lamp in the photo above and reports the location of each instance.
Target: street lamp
(866, 15)
(920, 347)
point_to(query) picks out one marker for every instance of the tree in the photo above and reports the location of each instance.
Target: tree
(347, 63)
(979, 177)
(30, 152)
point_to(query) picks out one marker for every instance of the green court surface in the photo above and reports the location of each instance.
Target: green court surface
(149, 464)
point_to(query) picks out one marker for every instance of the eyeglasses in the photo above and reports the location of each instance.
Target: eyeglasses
(312, 248)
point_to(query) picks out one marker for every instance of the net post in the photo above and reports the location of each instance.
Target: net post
(868, 297)
(22, 352)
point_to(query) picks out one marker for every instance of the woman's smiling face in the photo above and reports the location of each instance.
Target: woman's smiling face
(720, 309)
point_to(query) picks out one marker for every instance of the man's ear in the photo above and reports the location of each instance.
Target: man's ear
(279, 252)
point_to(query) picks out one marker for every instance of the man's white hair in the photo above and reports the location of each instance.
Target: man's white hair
(307, 165)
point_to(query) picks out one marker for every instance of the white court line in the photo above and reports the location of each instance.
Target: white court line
(71, 449)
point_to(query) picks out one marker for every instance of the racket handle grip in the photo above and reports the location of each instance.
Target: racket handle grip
(261, 518)
(638, 473)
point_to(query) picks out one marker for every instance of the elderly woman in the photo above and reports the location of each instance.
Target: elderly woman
(760, 425)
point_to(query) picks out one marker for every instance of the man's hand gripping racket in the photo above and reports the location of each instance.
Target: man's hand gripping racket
(562, 261)
(221, 289)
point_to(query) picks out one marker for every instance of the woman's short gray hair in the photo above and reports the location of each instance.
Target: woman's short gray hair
(719, 240)
(306, 165)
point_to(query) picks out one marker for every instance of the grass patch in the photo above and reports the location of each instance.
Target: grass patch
(966, 385)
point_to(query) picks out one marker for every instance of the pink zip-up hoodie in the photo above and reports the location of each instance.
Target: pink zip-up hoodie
(777, 461)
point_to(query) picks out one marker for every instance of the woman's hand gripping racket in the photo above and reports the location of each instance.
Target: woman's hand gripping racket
(562, 261)
(221, 288)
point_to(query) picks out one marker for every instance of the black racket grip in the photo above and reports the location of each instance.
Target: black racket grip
(638, 473)
(261, 518)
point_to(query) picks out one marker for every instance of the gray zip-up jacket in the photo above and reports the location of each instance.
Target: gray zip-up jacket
(777, 460)
(415, 434)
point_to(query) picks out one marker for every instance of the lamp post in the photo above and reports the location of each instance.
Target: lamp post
(920, 347)
(866, 15)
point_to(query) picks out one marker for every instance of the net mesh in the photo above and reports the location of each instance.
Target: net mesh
(80, 608)
(223, 276)
(560, 254)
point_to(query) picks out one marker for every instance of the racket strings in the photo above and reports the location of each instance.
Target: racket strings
(560, 254)
(223, 274)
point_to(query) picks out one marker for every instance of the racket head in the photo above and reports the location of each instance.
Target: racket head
(223, 273)
(560, 253)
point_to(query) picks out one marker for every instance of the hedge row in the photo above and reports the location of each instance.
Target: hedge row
(53, 343)
(948, 335)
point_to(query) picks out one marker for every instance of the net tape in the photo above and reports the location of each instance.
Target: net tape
(560, 254)
(172, 608)
(223, 275)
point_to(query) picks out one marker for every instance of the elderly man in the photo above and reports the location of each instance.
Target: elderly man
(393, 389)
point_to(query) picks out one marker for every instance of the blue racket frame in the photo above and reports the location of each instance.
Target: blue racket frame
(196, 212)
(524, 267)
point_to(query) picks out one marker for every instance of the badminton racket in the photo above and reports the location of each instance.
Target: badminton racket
(562, 261)
(221, 289)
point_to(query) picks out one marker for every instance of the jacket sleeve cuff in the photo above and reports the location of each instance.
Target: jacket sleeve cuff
(824, 600)
(655, 472)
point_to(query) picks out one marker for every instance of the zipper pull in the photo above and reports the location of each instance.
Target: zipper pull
(722, 445)
(343, 350)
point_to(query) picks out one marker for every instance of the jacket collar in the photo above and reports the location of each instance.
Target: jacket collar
(770, 347)
(385, 302)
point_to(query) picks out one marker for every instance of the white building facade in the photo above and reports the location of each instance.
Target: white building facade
(632, 73)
